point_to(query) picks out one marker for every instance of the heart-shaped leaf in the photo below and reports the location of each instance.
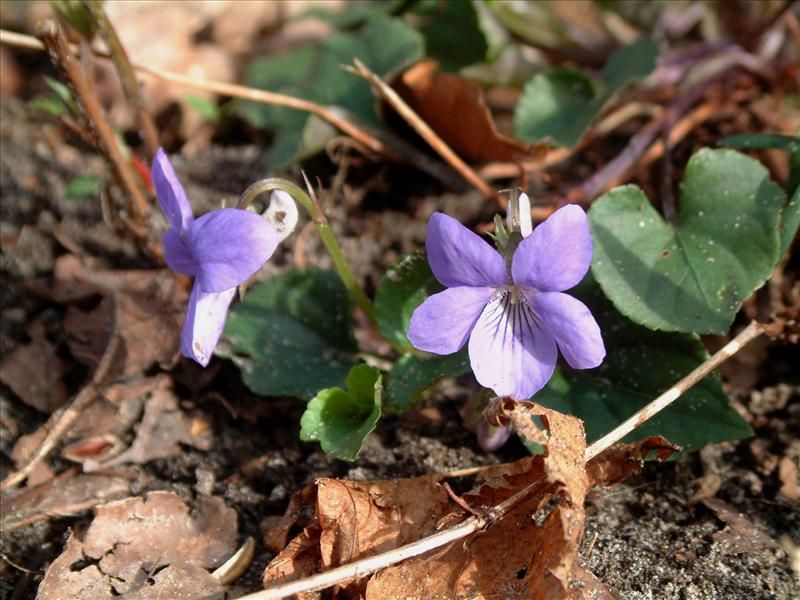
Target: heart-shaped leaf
(292, 335)
(411, 375)
(402, 289)
(339, 419)
(561, 103)
(640, 365)
(695, 274)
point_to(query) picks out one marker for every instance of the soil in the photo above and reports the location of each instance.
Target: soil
(644, 538)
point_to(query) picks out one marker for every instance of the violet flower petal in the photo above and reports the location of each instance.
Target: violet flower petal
(576, 332)
(508, 351)
(459, 257)
(229, 245)
(177, 254)
(205, 319)
(556, 256)
(170, 193)
(444, 321)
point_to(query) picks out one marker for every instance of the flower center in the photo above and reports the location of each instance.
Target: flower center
(513, 298)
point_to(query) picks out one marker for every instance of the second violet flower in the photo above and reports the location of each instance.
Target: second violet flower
(220, 250)
(513, 313)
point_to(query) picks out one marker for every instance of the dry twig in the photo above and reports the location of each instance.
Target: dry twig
(62, 55)
(234, 91)
(423, 129)
(127, 76)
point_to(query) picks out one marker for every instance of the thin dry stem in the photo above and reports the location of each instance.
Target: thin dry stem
(424, 130)
(62, 55)
(127, 76)
(747, 335)
(235, 91)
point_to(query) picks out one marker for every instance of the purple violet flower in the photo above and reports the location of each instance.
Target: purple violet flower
(221, 250)
(514, 315)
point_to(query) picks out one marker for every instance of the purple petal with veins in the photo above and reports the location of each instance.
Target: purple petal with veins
(170, 193)
(515, 322)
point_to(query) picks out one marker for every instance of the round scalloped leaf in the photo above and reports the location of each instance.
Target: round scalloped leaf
(339, 419)
(692, 276)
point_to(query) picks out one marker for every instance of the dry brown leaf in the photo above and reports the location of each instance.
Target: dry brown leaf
(159, 530)
(529, 552)
(130, 542)
(62, 582)
(150, 305)
(34, 373)
(586, 586)
(276, 531)
(619, 462)
(164, 427)
(740, 535)
(356, 519)
(22, 451)
(454, 108)
(65, 495)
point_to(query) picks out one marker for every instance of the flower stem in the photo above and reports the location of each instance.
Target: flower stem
(325, 233)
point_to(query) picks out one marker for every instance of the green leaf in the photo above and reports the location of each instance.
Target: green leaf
(314, 73)
(403, 288)
(62, 92)
(561, 103)
(639, 366)
(87, 186)
(790, 222)
(762, 141)
(452, 31)
(692, 276)
(340, 420)
(292, 335)
(52, 106)
(206, 108)
(354, 13)
(411, 375)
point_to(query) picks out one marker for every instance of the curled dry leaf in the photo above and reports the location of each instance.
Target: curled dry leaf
(34, 373)
(354, 520)
(623, 460)
(163, 428)
(147, 319)
(529, 552)
(455, 108)
(66, 495)
(146, 548)
(740, 534)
